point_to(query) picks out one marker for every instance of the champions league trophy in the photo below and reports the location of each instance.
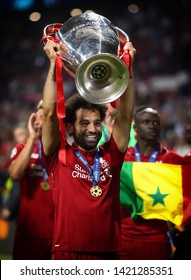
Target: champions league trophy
(90, 47)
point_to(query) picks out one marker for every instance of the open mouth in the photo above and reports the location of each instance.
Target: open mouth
(91, 137)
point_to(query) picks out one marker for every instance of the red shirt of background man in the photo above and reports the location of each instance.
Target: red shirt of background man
(36, 207)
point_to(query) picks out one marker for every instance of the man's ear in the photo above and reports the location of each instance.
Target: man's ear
(70, 129)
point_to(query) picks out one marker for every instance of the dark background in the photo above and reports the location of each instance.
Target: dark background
(160, 31)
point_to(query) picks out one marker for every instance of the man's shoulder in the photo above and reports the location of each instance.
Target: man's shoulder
(173, 157)
(16, 150)
(130, 154)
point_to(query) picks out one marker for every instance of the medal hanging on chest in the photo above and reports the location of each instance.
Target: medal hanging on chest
(95, 190)
(44, 184)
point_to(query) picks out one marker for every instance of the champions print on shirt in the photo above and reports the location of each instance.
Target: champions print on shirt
(80, 172)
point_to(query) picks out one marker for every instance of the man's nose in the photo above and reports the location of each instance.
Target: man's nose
(92, 127)
(152, 124)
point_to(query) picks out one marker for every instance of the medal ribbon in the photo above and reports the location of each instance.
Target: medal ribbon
(60, 109)
(138, 156)
(45, 175)
(95, 173)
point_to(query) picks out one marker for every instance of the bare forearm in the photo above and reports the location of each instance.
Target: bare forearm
(122, 125)
(18, 166)
(50, 126)
(121, 129)
(127, 102)
(49, 96)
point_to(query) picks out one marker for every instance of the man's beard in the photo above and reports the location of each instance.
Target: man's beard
(86, 145)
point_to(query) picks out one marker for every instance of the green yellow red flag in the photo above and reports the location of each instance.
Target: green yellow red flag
(157, 191)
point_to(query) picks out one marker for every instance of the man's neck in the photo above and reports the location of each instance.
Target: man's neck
(146, 149)
(84, 150)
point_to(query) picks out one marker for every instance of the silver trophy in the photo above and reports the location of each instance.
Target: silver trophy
(90, 46)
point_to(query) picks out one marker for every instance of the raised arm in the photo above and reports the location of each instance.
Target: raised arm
(50, 126)
(20, 164)
(122, 124)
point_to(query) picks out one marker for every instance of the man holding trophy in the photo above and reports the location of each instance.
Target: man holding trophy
(85, 178)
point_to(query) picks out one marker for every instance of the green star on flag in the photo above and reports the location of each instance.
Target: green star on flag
(140, 181)
(158, 197)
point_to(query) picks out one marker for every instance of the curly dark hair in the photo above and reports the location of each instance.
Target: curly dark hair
(76, 102)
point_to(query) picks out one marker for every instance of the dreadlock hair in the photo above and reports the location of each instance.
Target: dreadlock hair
(76, 102)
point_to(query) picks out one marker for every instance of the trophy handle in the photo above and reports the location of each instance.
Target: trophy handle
(51, 30)
(123, 38)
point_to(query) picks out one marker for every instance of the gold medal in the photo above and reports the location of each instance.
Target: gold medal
(45, 186)
(96, 191)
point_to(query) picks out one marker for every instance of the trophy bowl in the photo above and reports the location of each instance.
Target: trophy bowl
(89, 45)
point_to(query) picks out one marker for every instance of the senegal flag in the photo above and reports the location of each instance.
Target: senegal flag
(157, 190)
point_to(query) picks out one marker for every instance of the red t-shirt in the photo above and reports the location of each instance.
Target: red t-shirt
(84, 223)
(36, 207)
(153, 230)
(175, 158)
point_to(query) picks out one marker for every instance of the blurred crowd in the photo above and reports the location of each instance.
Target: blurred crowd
(162, 37)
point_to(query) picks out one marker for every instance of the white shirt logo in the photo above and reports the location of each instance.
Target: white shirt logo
(13, 153)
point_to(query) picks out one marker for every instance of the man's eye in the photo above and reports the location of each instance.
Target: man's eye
(84, 123)
(98, 123)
